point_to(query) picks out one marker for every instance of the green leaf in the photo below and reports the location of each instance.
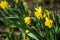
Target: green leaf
(1, 19)
(6, 12)
(56, 29)
(13, 26)
(7, 38)
(33, 36)
(3, 14)
(20, 37)
(11, 17)
(26, 8)
(59, 30)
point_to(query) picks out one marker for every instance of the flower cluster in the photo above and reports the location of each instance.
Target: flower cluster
(39, 14)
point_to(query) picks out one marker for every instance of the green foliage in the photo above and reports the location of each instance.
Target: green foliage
(13, 17)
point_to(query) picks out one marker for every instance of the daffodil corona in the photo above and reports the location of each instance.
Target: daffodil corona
(27, 20)
(38, 15)
(4, 5)
(48, 22)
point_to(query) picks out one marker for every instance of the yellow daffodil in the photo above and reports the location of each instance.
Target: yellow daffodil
(48, 22)
(25, 3)
(44, 15)
(39, 9)
(27, 31)
(0, 5)
(16, 1)
(27, 20)
(30, 13)
(38, 12)
(4, 4)
(38, 15)
(48, 12)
